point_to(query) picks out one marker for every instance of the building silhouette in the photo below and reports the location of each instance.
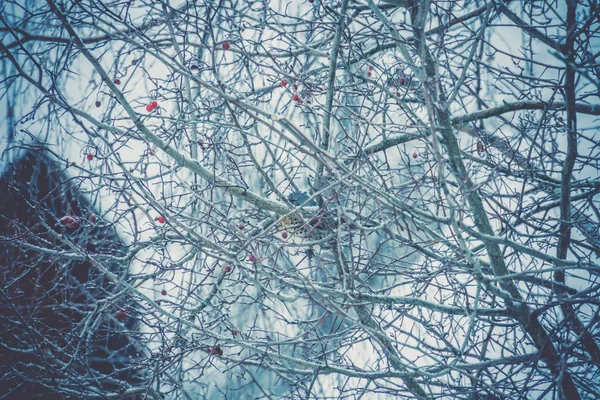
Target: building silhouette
(67, 328)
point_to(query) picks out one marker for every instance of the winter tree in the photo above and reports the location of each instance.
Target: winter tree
(332, 199)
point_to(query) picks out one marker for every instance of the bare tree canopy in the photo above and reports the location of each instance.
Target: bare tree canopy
(329, 199)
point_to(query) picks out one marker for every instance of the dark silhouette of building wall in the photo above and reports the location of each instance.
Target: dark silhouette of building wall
(67, 331)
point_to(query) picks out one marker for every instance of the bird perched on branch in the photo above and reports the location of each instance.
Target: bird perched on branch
(301, 199)
(297, 199)
(321, 225)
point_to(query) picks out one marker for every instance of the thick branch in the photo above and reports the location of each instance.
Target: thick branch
(524, 105)
(521, 311)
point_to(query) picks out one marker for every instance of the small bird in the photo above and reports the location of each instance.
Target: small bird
(322, 224)
(301, 199)
(297, 199)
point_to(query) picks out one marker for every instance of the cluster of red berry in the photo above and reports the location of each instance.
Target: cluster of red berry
(71, 221)
(152, 106)
(296, 97)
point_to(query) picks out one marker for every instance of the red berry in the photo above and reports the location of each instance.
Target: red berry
(402, 80)
(397, 94)
(117, 81)
(154, 104)
(295, 87)
(251, 258)
(284, 83)
(415, 155)
(300, 101)
(311, 1)
(98, 104)
(240, 226)
(226, 45)
(163, 292)
(160, 219)
(92, 218)
(369, 73)
(215, 351)
(284, 235)
(480, 147)
(73, 164)
(70, 222)
(90, 157)
(121, 315)
(370, 68)
(149, 108)
(67, 219)
(234, 332)
(296, 97)
(228, 269)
